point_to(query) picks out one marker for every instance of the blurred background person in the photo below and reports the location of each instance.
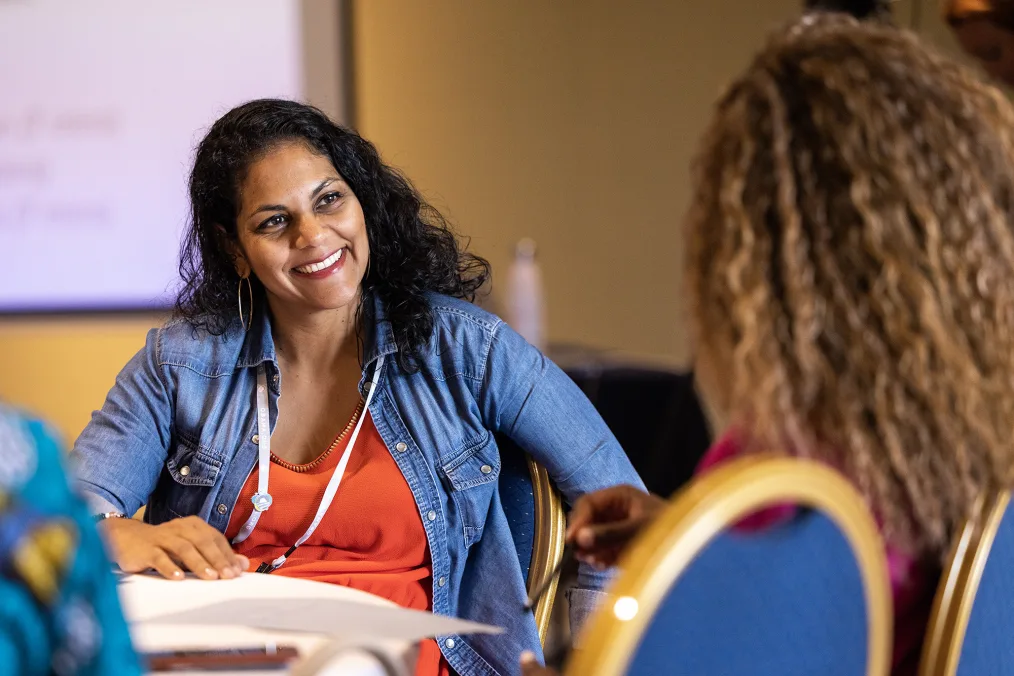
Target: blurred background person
(985, 30)
(59, 611)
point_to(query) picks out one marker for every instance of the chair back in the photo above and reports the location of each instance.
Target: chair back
(807, 595)
(973, 618)
(537, 522)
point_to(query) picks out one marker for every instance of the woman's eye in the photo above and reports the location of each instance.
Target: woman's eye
(273, 222)
(329, 199)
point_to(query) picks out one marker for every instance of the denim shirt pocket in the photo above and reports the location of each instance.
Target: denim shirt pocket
(472, 476)
(191, 471)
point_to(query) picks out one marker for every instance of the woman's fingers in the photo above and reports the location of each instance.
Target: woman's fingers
(188, 543)
(215, 549)
(604, 522)
(531, 667)
(608, 535)
(163, 565)
(609, 504)
(184, 551)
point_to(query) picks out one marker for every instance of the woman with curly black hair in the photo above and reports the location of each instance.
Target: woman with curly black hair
(311, 265)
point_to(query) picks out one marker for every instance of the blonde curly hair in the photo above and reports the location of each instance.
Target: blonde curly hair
(850, 268)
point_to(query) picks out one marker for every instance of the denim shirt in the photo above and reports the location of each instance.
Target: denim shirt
(187, 400)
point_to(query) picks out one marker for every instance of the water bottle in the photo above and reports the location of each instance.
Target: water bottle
(525, 308)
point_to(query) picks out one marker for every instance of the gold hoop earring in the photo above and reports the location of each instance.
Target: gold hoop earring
(239, 301)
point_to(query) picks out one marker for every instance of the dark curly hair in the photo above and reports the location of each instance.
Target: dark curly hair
(412, 249)
(860, 9)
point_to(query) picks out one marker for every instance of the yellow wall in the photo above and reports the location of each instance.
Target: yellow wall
(570, 121)
(62, 369)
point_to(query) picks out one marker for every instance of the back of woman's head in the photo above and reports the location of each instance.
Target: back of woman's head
(850, 268)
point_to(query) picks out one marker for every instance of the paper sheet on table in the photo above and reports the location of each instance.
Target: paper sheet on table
(332, 617)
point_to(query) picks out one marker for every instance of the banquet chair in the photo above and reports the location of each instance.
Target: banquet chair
(972, 620)
(538, 526)
(809, 594)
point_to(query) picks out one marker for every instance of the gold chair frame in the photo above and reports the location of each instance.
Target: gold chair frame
(708, 506)
(547, 550)
(952, 605)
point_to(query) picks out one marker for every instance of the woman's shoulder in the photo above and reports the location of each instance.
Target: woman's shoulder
(463, 334)
(451, 312)
(194, 345)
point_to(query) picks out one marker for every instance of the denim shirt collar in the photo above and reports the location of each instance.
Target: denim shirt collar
(259, 346)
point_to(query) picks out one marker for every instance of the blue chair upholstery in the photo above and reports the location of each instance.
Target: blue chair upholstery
(808, 593)
(518, 499)
(988, 646)
(760, 603)
(534, 512)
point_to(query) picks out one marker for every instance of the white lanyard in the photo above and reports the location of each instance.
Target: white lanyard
(262, 499)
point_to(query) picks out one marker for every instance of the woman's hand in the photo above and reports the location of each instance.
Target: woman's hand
(189, 542)
(604, 522)
(531, 667)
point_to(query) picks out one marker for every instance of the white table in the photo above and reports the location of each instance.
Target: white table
(146, 598)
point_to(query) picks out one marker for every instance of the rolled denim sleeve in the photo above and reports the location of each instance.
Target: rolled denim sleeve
(120, 454)
(530, 399)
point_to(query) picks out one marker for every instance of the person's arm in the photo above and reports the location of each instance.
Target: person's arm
(118, 459)
(121, 452)
(527, 397)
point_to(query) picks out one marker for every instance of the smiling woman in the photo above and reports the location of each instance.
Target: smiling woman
(413, 250)
(311, 264)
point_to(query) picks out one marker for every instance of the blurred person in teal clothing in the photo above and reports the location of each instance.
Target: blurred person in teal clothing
(59, 610)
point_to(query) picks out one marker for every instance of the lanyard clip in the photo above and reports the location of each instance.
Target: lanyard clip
(265, 568)
(261, 501)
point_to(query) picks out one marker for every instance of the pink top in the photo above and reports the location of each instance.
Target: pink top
(913, 583)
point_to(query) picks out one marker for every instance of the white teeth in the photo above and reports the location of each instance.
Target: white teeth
(323, 265)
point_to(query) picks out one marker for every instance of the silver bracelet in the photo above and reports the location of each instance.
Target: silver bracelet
(109, 515)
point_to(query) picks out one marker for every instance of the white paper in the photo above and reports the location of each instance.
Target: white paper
(332, 617)
(274, 603)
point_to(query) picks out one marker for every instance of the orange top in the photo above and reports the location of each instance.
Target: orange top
(371, 537)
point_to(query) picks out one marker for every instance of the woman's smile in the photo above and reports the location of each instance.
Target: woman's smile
(322, 269)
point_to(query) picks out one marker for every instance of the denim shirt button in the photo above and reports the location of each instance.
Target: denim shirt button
(432, 516)
(449, 643)
(222, 509)
(256, 438)
(442, 581)
(401, 447)
(185, 470)
(485, 469)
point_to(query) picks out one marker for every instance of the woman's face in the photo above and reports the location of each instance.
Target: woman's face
(301, 231)
(990, 45)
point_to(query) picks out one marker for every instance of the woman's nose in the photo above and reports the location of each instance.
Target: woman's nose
(309, 232)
